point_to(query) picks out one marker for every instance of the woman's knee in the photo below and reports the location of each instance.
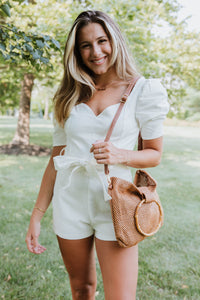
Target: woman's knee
(83, 290)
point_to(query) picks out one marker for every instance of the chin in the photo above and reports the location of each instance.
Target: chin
(100, 72)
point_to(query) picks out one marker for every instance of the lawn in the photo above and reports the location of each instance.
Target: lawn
(168, 262)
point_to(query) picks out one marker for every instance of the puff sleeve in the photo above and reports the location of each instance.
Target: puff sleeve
(59, 135)
(152, 108)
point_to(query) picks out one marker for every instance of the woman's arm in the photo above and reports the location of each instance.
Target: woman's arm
(47, 184)
(41, 205)
(149, 157)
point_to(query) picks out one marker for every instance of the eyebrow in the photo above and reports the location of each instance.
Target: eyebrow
(100, 37)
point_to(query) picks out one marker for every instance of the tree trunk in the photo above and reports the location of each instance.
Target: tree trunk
(46, 109)
(22, 133)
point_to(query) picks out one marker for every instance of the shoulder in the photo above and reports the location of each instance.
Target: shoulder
(153, 96)
(153, 87)
(59, 134)
(152, 108)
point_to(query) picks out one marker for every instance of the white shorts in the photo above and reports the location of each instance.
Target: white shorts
(79, 208)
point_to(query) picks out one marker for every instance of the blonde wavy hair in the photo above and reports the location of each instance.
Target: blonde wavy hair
(78, 81)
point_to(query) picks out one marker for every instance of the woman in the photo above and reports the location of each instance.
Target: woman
(97, 71)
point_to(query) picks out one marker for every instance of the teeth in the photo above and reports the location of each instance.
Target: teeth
(99, 60)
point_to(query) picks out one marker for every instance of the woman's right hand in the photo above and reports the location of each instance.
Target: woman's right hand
(33, 235)
(43, 200)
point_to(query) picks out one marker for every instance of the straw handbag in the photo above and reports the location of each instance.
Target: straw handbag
(136, 208)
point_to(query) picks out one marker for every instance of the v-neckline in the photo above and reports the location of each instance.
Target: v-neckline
(97, 116)
(109, 106)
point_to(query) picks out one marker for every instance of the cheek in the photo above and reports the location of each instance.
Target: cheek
(108, 49)
(84, 55)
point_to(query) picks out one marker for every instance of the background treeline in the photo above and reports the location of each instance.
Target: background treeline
(33, 34)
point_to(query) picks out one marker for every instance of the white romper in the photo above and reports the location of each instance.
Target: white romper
(80, 206)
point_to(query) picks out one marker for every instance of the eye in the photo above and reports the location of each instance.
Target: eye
(102, 41)
(85, 46)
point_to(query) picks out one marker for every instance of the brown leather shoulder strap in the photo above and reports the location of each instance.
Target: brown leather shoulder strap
(123, 100)
(140, 142)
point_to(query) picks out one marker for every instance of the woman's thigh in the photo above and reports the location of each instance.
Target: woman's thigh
(79, 259)
(119, 267)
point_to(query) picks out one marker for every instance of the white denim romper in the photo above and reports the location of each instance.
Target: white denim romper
(80, 206)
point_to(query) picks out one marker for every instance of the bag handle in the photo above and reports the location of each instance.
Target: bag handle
(110, 130)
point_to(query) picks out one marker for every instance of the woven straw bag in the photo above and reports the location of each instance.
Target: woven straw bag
(136, 208)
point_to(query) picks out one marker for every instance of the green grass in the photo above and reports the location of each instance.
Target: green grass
(40, 131)
(168, 262)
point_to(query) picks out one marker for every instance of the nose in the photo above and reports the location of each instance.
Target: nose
(96, 50)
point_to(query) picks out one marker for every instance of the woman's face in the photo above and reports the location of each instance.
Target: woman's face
(95, 48)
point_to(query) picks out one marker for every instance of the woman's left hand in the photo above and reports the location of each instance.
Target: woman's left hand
(107, 153)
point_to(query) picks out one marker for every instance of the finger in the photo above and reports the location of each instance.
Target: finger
(104, 154)
(43, 248)
(95, 149)
(103, 161)
(38, 250)
(35, 241)
(99, 145)
(29, 245)
(91, 149)
(99, 151)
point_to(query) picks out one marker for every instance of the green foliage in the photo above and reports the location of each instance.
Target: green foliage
(21, 51)
(9, 85)
(5, 8)
(17, 45)
(171, 56)
(190, 108)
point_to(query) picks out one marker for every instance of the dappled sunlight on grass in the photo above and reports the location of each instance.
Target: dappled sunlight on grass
(38, 126)
(18, 160)
(185, 158)
(186, 132)
(168, 261)
(10, 124)
(193, 163)
(8, 161)
(40, 131)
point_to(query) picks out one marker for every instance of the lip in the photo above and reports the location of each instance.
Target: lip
(99, 61)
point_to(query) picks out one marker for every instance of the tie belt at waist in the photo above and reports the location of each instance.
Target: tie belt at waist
(62, 162)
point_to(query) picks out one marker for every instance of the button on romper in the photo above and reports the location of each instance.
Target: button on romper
(80, 206)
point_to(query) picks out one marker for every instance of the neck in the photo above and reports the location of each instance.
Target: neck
(106, 79)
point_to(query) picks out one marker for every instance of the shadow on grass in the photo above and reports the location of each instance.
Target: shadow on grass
(32, 150)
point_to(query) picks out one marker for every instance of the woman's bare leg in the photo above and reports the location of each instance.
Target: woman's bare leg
(119, 267)
(79, 259)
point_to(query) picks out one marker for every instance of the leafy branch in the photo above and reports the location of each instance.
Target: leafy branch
(17, 45)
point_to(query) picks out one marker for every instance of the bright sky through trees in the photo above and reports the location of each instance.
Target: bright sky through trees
(191, 8)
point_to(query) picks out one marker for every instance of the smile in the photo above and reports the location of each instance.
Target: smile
(99, 61)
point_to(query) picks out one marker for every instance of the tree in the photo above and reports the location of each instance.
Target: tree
(172, 57)
(22, 132)
(17, 46)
